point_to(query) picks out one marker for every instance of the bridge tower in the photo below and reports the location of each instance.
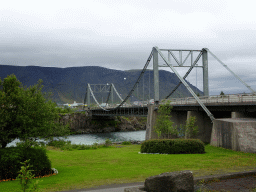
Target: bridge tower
(97, 88)
(156, 76)
(181, 63)
(205, 72)
(88, 96)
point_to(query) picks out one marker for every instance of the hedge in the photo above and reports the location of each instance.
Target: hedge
(173, 146)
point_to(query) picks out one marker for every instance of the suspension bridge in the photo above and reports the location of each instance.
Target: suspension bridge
(236, 131)
(132, 105)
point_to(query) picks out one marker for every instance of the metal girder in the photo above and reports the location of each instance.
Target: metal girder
(191, 67)
(185, 84)
(98, 88)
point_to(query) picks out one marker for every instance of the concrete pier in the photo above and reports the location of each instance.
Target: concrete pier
(238, 134)
(151, 120)
(204, 125)
(179, 119)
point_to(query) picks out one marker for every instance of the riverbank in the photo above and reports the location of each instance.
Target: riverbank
(82, 123)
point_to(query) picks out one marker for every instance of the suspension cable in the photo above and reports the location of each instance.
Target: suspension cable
(141, 74)
(89, 86)
(132, 90)
(109, 92)
(117, 92)
(231, 71)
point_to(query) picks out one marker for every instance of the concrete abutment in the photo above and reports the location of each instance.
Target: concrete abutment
(179, 119)
(238, 134)
(236, 131)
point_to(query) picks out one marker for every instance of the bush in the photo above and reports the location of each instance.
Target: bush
(83, 147)
(173, 146)
(108, 143)
(95, 146)
(64, 110)
(39, 160)
(10, 159)
(59, 143)
(126, 143)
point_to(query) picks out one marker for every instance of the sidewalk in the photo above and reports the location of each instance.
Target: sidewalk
(233, 182)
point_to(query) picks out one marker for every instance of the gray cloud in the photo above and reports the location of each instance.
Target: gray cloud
(120, 34)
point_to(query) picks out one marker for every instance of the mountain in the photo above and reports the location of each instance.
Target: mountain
(69, 84)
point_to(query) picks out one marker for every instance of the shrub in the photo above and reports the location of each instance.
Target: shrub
(39, 160)
(164, 126)
(10, 159)
(191, 128)
(25, 177)
(83, 147)
(74, 146)
(173, 146)
(95, 146)
(107, 143)
(30, 143)
(59, 143)
(126, 143)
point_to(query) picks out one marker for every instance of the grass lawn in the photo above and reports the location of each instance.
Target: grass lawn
(122, 164)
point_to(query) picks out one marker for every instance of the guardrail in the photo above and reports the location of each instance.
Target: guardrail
(236, 98)
(111, 106)
(213, 99)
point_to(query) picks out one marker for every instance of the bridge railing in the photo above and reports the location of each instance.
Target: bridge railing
(235, 98)
(111, 106)
(213, 99)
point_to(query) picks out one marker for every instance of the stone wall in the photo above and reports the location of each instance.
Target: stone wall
(83, 123)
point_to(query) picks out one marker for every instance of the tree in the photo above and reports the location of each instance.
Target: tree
(27, 113)
(222, 93)
(191, 129)
(163, 123)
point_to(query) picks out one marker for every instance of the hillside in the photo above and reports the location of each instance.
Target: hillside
(69, 84)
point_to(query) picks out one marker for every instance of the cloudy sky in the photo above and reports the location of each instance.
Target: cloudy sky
(120, 34)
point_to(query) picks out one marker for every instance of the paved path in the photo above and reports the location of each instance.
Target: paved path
(243, 184)
(110, 188)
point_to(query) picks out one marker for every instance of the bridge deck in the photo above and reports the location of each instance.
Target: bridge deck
(242, 103)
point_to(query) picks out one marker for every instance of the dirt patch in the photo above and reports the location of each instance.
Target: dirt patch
(200, 173)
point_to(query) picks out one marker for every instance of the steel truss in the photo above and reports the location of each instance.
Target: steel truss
(184, 82)
(98, 88)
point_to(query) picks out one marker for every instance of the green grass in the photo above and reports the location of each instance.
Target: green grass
(88, 168)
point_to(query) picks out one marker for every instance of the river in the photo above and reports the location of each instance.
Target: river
(89, 139)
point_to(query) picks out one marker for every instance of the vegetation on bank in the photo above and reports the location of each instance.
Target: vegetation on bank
(67, 110)
(124, 164)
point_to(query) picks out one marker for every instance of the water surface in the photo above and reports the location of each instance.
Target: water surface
(89, 139)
